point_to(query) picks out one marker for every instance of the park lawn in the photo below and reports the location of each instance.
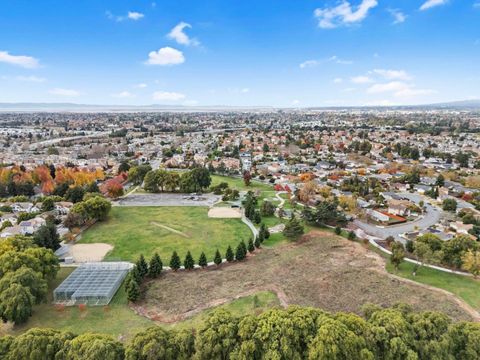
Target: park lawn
(141, 230)
(464, 287)
(237, 183)
(116, 319)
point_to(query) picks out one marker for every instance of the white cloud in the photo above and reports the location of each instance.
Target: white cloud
(124, 95)
(334, 58)
(245, 90)
(398, 89)
(361, 80)
(167, 96)
(432, 3)
(165, 56)
(64, 92)
(140, 86)
(343, 14)
(295, 102)
(398, 16)
(476, 5)
(19, 60)
(309, 63)
(393, 74)
(337, 80)
(31, 79)
(178, 34)
(133, 15)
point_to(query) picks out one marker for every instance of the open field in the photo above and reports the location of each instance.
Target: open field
(118, 320)
(144, 230)
(322, 270)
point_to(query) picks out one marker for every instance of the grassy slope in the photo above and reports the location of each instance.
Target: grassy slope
(118, 319)
(131, 232)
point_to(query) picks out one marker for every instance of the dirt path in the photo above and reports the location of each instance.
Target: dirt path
(170, 229)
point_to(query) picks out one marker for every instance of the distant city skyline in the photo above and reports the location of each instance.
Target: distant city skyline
(250, 53)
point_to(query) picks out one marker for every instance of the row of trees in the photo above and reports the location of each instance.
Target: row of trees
(293, 333)
(153, 269)
(93, 208)
(195, 180)
(25, 270)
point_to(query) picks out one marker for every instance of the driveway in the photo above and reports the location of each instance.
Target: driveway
(431, 216)
(167, 199)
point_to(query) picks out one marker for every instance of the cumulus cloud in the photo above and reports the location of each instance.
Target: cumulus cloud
(392, 74)
(361, 80)
(167, 96)
(165, 56)
(337, 80)
(398, 89)
(343, 14)
(19, 60)
(134, 15)
(334, 58)
(140, 86)
(131, 15)
(398, 16)
(432, 3)
(124, 95)
(309, 63)
(64, 92)
(178, 34)
(31, 79)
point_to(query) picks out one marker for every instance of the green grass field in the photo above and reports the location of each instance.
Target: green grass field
(117, 319)
(145, 230)
(464, 287)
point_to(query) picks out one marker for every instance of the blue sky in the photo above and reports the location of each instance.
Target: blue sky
(240, 52)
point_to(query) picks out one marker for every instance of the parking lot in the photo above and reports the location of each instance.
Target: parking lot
(169, 199)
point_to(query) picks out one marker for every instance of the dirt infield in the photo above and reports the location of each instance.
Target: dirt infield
(320, 270)
(89, 252)
(225, 213)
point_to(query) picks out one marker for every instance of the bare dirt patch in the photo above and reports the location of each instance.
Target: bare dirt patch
(89, 252)
(224, 213)
(322, 270)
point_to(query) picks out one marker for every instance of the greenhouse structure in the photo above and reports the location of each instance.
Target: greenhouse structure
(92, 284)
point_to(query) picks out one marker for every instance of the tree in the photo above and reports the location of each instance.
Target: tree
(338, 230)
(423, 253)
(155, 267)
(189, 263)
(39, 344)
(471, 262)
(175, 261)
(73, 220)
(46, 236)
(250, 246)
(93, 347)
(247, 178)
(136, 174)
(256, 217)
(142, 266)
(150, 183)
(267, 208)
(95, 207)
(48, 204)
(16, 303)
(218, 258)
(454, 249)
(351, 235)
(257, 243)
(440, 180)
(202, 261)
(229, 254)
(449, 205)
(133, 290)
(325, 213)
(27, 278)
(123, 167)
(75, 194)
(398, 254)
(240, 252)
(293, 228)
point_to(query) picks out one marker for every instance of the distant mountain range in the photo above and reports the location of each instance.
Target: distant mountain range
(72, 107)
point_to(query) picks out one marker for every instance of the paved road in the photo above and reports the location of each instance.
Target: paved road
(429, 218)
